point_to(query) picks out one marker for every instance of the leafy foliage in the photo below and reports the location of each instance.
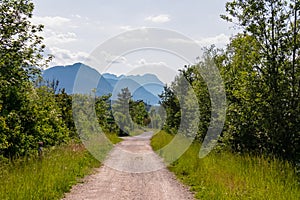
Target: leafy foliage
(121, 112)
(138, 113)
(266, 64)
(27, 114)
(129, 114)
(170, 103)
(261, 73)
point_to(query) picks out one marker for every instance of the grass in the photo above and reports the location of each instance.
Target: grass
(138, 131)
(113, 137)
(49, 177)
(228, 176)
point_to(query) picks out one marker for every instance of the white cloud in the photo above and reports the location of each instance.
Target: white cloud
(54, 32)
(57, 30)
(219, 40)
(112, 59)
(161, 69)
(66, 57)
(77, 16)
(142, 62)
(54, 38)
(50, 21)
(126, 28)
(181, 41)
(158, 18)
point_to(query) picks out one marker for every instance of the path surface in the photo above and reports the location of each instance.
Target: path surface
(132, 171)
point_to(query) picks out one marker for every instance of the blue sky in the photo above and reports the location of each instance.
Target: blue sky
(73, 29)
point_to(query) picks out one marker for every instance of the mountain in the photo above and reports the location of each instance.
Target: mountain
(66, 75)
(139, 92)
(80, 78)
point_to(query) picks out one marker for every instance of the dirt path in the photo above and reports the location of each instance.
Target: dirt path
(131, 171)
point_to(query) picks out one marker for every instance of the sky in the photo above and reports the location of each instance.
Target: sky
(74, 30)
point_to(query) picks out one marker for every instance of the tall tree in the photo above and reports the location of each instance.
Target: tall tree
(104, 113)
(121, 112)
(27, 114)
(273, 26)
(21, 46)
(139, 113)
(244, 90)
(170, 103)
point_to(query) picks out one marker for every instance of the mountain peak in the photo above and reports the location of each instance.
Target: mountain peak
(143, 87)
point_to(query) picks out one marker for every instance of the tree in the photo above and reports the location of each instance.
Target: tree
(64, 102)
(170, 103)
(139, 113)
(27, 114)
(121, 112)
(157, 117)
(104, 113)
(21, 47)
(273, 27)
(244, 91)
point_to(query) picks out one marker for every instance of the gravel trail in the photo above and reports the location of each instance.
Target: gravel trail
(132, 171)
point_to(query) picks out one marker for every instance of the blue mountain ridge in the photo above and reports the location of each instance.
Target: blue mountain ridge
(80, 78)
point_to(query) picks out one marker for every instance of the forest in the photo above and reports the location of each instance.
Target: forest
(260, 69)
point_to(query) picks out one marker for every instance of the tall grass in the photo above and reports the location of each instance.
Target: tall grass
(228, 176)
(46, 178)
(113, 137)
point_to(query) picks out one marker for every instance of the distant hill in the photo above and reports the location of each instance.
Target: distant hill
(145, 87)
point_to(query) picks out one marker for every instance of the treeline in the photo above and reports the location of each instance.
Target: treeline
(124, 115)
(33, 110)
(261, 73)
(259, 67)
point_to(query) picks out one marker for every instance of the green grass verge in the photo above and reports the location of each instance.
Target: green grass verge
(49, 177)
(228, 176)
(46, 178)
(113, 137)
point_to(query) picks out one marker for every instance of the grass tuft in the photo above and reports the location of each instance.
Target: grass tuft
(228, 176)
(113, 137)
(46, 178)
